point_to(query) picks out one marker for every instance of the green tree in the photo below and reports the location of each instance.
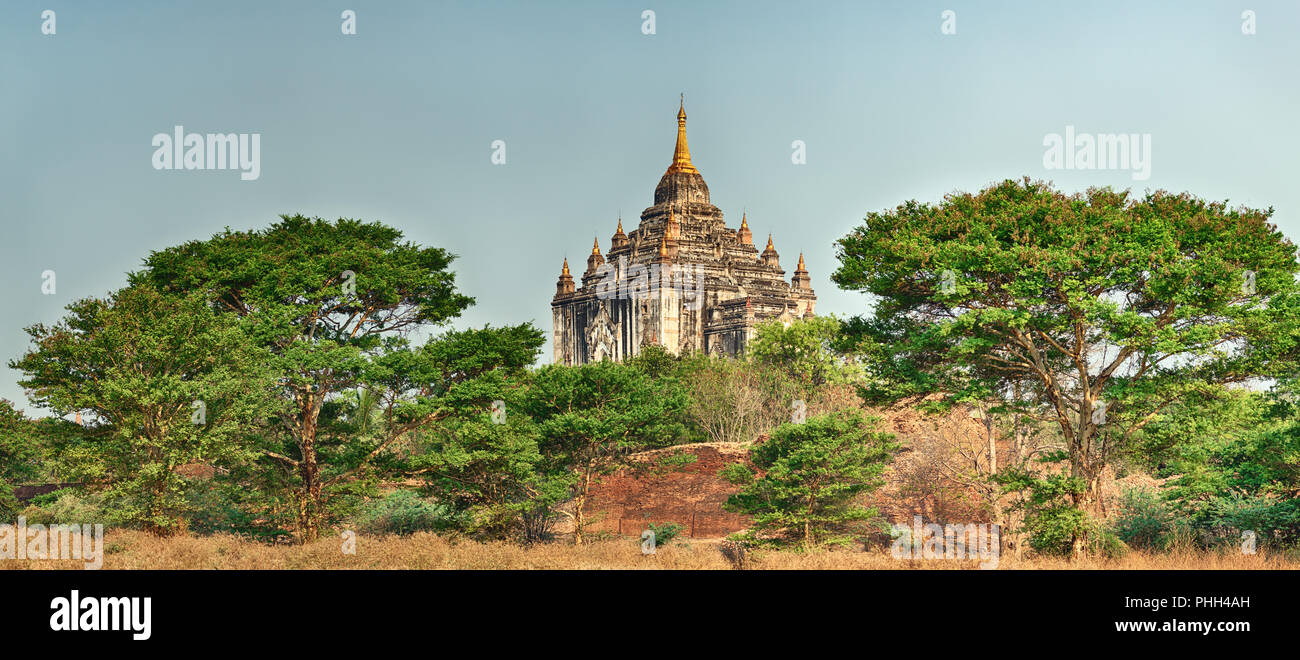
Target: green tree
(656, 361)
(591, 417)
(410, 391)
(1095, 311)
(813, 472)
(1233, 463)
(162, 381)
(805, 351)
(486, 467)
(1051, 519)
(20, 453)
(323, 298)
(494, 474)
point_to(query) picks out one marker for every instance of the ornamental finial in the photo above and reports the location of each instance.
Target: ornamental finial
(682, 153)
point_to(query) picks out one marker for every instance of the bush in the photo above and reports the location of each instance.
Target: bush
(665, 532)
(67, 506)
(1105, 543)
(234, 508)
(403, 512)
(737, 474)
(1052, 529)
(813, 475)
(1052, 520)
(1146, 521)
(1228, 516)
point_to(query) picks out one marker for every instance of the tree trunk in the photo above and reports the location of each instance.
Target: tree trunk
(995, 497)
(579, 503)
(309, 505)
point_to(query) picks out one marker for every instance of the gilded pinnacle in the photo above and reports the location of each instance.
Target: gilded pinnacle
(682, 153)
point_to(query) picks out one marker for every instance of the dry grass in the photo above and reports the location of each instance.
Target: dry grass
(133, 550)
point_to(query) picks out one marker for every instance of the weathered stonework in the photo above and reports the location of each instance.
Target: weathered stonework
(681, 280)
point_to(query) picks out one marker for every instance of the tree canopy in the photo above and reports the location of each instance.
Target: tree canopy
(325, 299)
(1104, 308)
(161, 381)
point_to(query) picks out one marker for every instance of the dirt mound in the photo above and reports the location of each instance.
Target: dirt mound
(678, 484)
(682, 484)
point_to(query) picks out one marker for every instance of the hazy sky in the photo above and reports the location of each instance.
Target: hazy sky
(396, 122)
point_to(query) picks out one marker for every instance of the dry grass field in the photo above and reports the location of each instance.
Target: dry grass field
(133, 550)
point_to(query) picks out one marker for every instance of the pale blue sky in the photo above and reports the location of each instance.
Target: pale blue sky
(396, 123)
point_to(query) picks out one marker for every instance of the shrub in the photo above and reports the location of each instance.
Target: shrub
(737, 474)
(403, 512)
(1052, 520)
(1053, 529)
(67, 506)
(235, 508)
(665, 532)
(813, 475)
(1229, 516)
(1145, 520)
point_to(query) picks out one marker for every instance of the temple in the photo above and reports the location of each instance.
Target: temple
(682, 279)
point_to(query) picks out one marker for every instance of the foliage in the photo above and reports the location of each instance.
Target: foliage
(239, 502)
(590, 418)
(813, 473)
(655, 361)
(737, 474)
(163, 382)
(1232, 514)
(403, 512)
(804, 352)
(1055, 524)
(1238, 467)
(491, 474)
(676, 460)
(326, 300)
(20, 453)
(1071, 301)
(68, 506)
(665, 532)
(494, 477)
(1145, 521)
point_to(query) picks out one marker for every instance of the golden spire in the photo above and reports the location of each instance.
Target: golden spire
(682, 154)
(769, 242)
(744, 220)
(663, 247)
(801, 266)
(620, 225)
(595, 246)
(566, 267)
